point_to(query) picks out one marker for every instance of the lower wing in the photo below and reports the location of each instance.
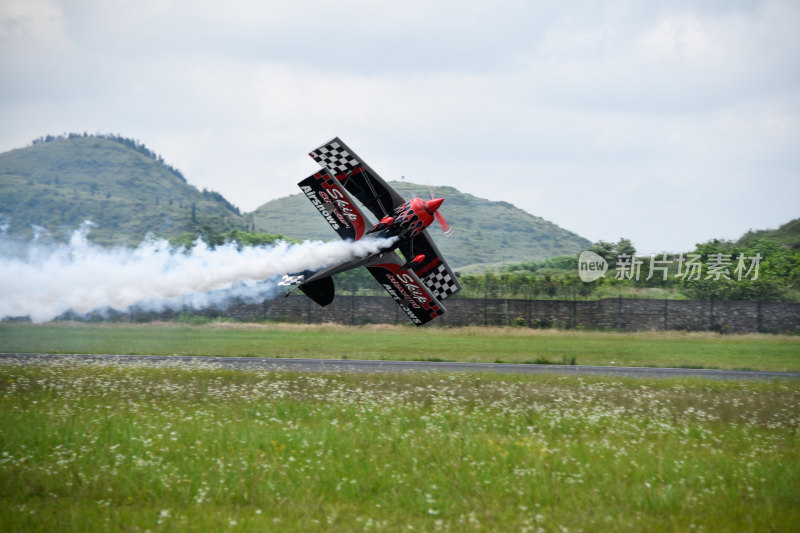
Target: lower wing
(406, 288)
(434, 271)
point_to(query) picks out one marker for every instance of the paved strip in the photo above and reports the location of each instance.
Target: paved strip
(358, 365)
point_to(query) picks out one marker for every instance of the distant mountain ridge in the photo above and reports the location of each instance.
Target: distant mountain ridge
(128, 191)
(483, 231)
(124, 188)
(787, 235)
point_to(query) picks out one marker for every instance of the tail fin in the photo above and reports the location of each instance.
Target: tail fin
(321, 290)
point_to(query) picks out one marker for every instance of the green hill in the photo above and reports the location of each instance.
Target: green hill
(787, 235)
(117, 183)
(484, 232)
(128, 192)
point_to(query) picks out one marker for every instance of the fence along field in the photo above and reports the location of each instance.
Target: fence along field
(632, 314)
(87, 446)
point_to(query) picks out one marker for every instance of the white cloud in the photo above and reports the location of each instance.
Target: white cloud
(34, 20)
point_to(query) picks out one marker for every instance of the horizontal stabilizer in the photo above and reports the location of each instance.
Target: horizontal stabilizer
(295, 279)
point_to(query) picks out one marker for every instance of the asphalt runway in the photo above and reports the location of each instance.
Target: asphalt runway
(349, 365)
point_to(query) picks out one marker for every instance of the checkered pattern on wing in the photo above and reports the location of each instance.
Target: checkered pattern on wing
(335, 158)
(440, 282)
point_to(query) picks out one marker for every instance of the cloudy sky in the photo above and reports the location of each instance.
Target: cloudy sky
(666, 122)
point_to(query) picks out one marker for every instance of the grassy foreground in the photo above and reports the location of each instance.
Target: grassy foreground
(510, 345)
(91, 446)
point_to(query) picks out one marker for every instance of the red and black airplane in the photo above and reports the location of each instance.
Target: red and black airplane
(420, 280)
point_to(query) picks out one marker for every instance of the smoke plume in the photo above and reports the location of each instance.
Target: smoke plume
(43, 281)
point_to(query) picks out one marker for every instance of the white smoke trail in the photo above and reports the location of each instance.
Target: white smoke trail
(44, 281)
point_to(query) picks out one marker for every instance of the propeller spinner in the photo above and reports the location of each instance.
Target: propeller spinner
(432, 206)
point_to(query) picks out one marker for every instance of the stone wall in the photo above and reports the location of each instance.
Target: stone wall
(612, 313)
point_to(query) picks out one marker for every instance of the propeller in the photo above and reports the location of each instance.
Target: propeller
(440, 218)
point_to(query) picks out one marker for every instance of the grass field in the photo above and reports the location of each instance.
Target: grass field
(511, 345)
(91, 446)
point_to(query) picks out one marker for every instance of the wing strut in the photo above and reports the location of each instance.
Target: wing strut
(375, 195)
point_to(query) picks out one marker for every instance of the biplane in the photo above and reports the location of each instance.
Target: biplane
(421, 279)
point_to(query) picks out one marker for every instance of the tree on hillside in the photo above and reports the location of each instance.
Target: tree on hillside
(610, 251)
(760, 270)
(624, 246)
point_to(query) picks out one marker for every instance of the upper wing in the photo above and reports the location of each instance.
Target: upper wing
(333, 203)
(410, 293)
(357, 177)
(434, 270)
